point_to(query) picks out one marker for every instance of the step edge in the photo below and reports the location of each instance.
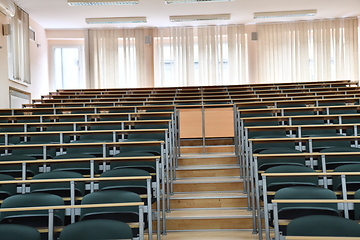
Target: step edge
(207, 197)
(208, 167)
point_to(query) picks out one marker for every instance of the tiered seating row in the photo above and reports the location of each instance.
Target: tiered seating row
(59, 110)
(168, 147)
(304, 127)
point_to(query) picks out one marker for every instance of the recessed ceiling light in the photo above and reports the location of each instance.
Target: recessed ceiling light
(100, 2)
(115, 20)
(186, 18)
(194, 1)
(299, 13)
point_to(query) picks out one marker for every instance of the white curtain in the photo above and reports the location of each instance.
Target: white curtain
(20, 47)
(200, 56)
(335, 49)
(308, 51)
(116, 58)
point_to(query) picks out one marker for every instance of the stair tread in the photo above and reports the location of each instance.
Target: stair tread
(198, 167)
(209, 213)
(208, 180)
(204, 155)
(208, 195)
(200, 146)
(209, 235)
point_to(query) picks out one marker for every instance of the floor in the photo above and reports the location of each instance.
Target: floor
(210, 235)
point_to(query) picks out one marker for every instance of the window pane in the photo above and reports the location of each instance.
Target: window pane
(68, 69)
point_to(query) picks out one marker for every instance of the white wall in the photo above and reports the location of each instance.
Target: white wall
(4, 82)
(61, 38)
(38, 66)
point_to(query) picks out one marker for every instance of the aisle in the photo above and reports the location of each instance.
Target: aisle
(208, 200)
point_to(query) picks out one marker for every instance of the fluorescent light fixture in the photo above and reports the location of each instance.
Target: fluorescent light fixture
(299, 13)
(115, 20)
(194, 1)
(100, 2)
(187, 18)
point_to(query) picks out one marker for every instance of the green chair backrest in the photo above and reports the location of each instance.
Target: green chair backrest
(61, 189)
(16, 170)
(265, 163)
(155, 149)
(136, 185)
(149, 166)
(97, 229)
(6, 190)
(36, 218)
(36, 152)
(294, 210)
(323, 225)
(110, 196)
(80, 167)
(96, 151)
(352, 182)
(334, 161)
(357, 205)
(276, 183)
(18, 232)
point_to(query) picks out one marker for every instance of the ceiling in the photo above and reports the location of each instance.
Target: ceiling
(57, 14)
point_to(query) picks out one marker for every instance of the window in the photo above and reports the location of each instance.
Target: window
(19, 49)
(200, 56)
(68, 68)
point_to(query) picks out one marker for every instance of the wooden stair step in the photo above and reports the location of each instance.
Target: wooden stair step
(209, 235)
(207, 149)
(208, 200)
(209, 219)
(207, 171)
(208, 184)
(212, 141)
(206, 160)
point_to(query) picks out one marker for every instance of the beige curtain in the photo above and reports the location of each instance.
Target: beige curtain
(335, 49)
(200, 56)
(20, 47)
(116, 58)
(308, 51)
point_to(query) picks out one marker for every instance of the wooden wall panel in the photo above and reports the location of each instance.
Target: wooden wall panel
(190, 123)
(219, 122)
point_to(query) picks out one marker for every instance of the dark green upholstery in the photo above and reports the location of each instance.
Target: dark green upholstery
(150, 136)
(323, 225)
(18, 232)
(295, 210)
(12, 139)
(6, 190)
(128, 214)
(36, 218)
(97, 229)
(149, 166)
(16, 170)
(80, 167)
(352, 182)
(61, 189)
(334, 161)
(155, 149)
(136, 186)
(276, 183)
(36, 152)
(357, 205)
(259, 147)
(96, 150)
(265, 163)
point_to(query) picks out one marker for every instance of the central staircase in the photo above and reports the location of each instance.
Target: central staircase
(208, 193)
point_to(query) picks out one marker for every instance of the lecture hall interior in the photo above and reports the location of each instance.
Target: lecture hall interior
(179, 119)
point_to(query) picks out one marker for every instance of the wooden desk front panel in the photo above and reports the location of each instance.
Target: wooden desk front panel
(219, 122)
